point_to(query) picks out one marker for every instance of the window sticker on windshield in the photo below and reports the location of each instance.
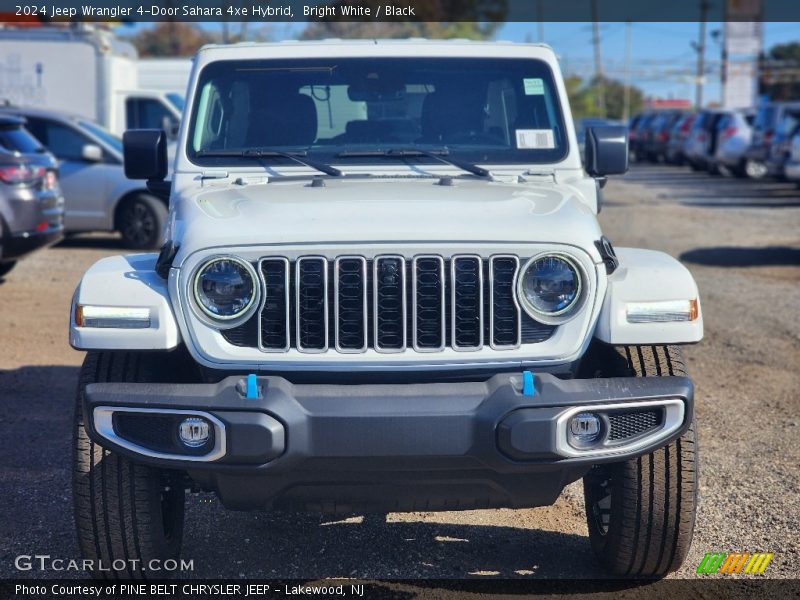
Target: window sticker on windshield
(535, 139)
(533, 86)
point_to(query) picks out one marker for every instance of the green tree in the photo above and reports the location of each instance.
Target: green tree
(171, 38)
(780, 73)
(787, 52)
(583, 98)
(615, 99)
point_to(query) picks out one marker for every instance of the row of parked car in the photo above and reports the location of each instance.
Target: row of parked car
(749, 142)
(61, 174)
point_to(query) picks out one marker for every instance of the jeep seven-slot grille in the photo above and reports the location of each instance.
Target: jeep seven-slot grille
(390, 304)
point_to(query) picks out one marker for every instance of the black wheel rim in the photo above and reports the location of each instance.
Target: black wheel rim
(138, 224)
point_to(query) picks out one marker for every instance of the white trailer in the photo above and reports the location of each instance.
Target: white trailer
(83, 71)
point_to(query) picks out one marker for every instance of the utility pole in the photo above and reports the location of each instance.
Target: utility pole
(540, 16)
(701, 54)
(626, 101)
(598, 62)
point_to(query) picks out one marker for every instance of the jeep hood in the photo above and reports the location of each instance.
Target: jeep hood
(380, 210)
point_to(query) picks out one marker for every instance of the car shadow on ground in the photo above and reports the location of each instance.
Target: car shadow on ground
(701, 189)
(36, 410)
(297, 545)
(92, 242)
(736, 256)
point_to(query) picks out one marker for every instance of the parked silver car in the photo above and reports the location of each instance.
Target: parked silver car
(768, 117)
(31, 205)
(97, 194)
(734, 133)
(792, 167)
(779, 148)
(700, 144)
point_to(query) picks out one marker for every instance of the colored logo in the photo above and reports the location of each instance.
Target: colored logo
(736, 562)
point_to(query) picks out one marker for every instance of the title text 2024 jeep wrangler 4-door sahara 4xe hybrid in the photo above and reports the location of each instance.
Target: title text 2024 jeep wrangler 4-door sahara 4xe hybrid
(384, 288)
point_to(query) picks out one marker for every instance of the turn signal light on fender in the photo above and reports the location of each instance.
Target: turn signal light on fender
(113, 317)
(663, 311)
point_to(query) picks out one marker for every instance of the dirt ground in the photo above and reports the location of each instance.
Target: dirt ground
(740, 239)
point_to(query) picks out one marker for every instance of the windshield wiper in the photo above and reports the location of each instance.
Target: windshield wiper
(437, 154)
(257, 153)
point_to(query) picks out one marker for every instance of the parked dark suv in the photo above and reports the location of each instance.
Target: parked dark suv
(31, 204)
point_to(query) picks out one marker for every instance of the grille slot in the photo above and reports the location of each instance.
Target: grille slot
(350, 303)
(389, 310)
(311, 283)
(429, 310)
(632, 424)
(274, 329)
(504, 314)
(466, 279)
(390, 304)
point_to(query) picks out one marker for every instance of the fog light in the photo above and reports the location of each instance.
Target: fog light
(194, 432)
(585, 428)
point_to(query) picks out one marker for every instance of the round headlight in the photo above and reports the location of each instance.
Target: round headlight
(549, 286)
(225, 288)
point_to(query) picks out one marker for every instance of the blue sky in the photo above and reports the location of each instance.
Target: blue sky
(663, 62)
(659, 51)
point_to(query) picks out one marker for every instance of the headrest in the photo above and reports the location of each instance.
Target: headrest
(286, 120)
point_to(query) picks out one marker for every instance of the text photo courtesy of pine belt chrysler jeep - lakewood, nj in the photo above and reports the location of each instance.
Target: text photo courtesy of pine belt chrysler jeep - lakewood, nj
(384, 288)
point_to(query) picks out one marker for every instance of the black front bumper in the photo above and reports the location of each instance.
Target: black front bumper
(390, 447)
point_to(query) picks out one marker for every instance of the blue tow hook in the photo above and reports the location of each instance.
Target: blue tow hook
(528, 388)
(252, 387)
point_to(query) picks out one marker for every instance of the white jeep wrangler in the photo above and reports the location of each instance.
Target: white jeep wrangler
(384, 288)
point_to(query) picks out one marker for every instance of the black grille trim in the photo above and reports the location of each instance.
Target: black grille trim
(627, 425)
(274, 318)
(350, 304)
(244, 335)
(429, 308)
(311, 301)
(390, 308)
(504, 314)
(390, 303)
(466, 290)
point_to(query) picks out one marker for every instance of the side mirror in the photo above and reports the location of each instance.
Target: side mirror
(606, 150)
(145, 154)
(92, 153)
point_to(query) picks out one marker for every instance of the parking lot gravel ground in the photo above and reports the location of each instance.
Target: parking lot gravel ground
(740, 239)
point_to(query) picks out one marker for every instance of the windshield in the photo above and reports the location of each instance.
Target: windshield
(479, 110)
(104, 135)
(176, 100)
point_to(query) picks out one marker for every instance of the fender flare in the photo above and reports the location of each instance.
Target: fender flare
(647, 276)
(131, 282)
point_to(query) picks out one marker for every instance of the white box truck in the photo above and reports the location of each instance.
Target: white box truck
(85, 71)
(170, 75)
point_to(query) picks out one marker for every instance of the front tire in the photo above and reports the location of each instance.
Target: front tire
(641, 512)
(126, 513)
